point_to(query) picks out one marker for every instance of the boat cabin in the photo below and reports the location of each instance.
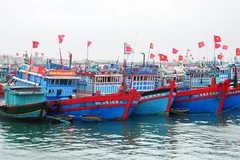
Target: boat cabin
(89, 83)
(58, 83)
(141, 78)
(19, 95)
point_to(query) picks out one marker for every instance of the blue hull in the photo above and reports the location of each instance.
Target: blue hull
(231, 102)
(106, 112)
(152, 106)
(203, 105)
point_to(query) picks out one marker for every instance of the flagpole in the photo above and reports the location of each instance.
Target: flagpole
(31, 49)
(214, 65)
(148, 57)
(199, 54)
(87, 52)
(60, 54)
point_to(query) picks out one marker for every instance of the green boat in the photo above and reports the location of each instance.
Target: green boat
(23, 103)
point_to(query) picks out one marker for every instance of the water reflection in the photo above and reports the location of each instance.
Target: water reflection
(156, 137)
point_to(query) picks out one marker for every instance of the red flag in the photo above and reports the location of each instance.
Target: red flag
(180, 58)
(89, 43)
(217, 45)
(188, 50)
(35, 44)
(152, 56)
(201, 44)
(174, 51)
(60, 38)
(219, 56)
(204, 57)
(42, 54)
(162, 57)
(36, 53)
(151, 46)
(217, 38)
(127, 48)
(237, 51)
(17, 54)
(225, 47)
(41, 70)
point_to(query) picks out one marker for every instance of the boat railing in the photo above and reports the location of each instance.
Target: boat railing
(200, 82)
(107, 88)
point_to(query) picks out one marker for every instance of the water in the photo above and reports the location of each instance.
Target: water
(151, 137)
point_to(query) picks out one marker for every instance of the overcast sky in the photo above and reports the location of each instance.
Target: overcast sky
(109, 23)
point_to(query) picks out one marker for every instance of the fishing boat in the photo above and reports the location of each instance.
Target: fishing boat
(156, 101)
(232, 100)
(202, 100)
(115, 106)
(23, 103)
(153, 100)
(105, 78)
(57, 81)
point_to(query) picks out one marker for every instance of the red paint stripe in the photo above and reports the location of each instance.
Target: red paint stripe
(235, 94)
(224, 92)
(130, 100)
(172, 87)
(24, 106)
(87, 107)
(152, 98)
(198, 98)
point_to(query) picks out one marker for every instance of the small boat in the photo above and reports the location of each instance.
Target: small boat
(179, 110)
(61, 118)
(91, 118)
(232, 100)
(23, 103)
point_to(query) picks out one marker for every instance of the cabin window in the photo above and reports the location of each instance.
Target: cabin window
(63, 82)
(56, 81)
(52, 81)
(108, 79)
(145, 78)
(70, 82)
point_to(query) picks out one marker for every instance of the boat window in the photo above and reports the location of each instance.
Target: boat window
(108, 79)
(63, 82)
(138, 78)
(51, 81)
(70, 82)
(56, 81)
(145, 78)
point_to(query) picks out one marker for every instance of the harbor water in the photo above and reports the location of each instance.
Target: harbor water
(171, 136)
